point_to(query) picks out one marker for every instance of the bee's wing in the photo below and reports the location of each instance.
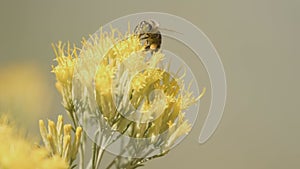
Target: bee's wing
(170, 30)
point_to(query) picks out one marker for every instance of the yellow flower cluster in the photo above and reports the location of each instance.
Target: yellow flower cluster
(66, 59)
(58, 139)
(16, 152)
(115, 71)
(145, 78)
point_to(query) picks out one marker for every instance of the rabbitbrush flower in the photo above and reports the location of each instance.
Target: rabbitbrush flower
(17, 152)
(58, 139)
(115, 77)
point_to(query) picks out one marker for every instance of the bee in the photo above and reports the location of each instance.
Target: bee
(149, 35)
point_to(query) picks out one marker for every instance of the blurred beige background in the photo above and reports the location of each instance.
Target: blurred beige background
(258, 41)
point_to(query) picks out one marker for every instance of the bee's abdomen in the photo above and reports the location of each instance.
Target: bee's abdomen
(151, 41)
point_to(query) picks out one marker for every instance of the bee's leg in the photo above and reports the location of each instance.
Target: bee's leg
(147, 47)
(144, 36)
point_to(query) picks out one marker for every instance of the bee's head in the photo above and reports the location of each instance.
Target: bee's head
(149, 26)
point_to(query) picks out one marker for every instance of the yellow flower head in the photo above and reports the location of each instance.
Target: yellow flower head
(17, 152)
(66, 60)
(58, 139)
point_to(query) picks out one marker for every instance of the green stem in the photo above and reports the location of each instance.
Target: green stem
(81, 154)
(111, 164)
(100, 155)
(71, 112)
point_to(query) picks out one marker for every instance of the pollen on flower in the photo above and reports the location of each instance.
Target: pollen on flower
(170, 124)
(103, 78)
